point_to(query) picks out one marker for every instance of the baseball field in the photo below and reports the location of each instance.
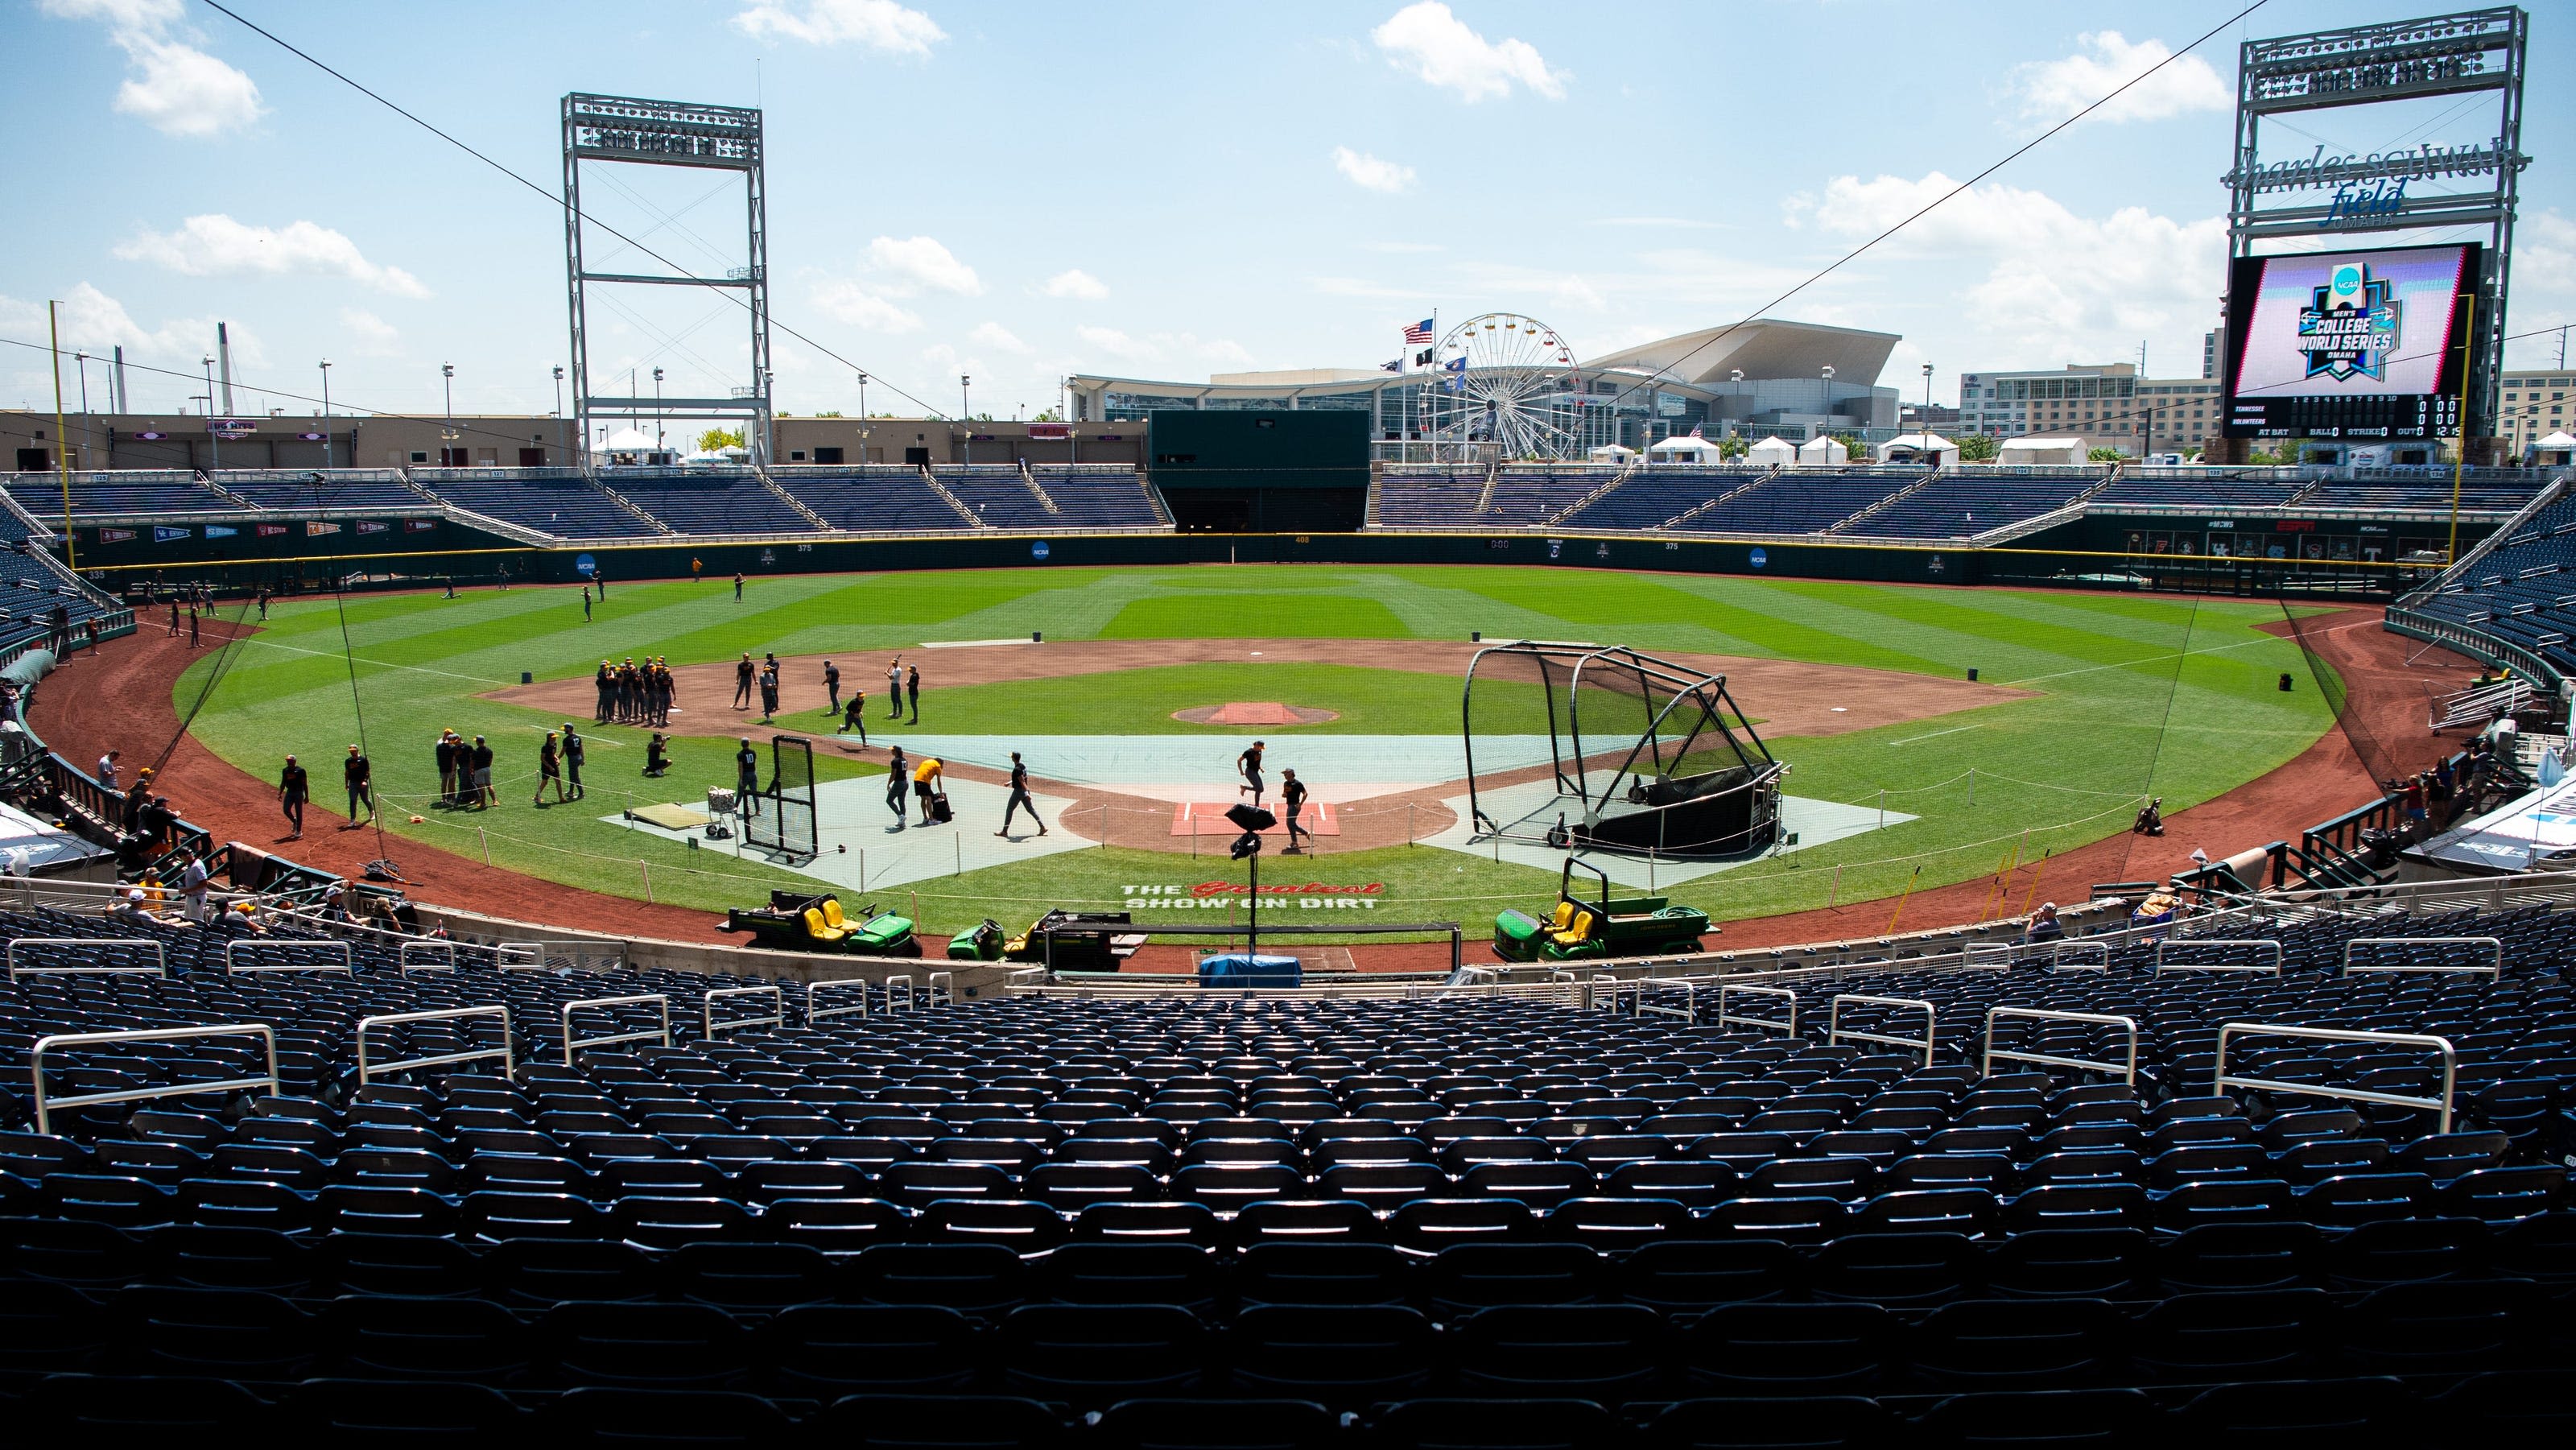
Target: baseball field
(1912, 776)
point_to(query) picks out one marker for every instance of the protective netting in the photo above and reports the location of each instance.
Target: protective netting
(2386, 758)
(788, 826)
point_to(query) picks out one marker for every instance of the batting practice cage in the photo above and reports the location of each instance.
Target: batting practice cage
(787, 827)
(1603, 748)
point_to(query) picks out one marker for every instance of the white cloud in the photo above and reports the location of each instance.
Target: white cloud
(369, 335)
(2544, 254)
(1402, 249)
(91, 319)
(1075, 283)
(1370, 172)
(2057, 284)
(175, 88)
(920, 262)
(871, 24)
(847, 301)
(1180, 347)
(1362, 287)
(1426, 39)
(1672, 222)
(994, 334)
(215, 245)
(2052, 90)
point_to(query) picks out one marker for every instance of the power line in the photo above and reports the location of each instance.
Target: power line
(679, 272)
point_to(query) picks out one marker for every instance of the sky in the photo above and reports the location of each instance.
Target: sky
(1012, 193)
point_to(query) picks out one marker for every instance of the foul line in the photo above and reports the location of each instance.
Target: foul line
(377, 664)
(2147, 660)
(1953, 730)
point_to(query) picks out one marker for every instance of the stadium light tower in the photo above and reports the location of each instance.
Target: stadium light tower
(214, 440)
(863, 395)
(558, 392)
(326, 412)
(657, 410)
(966, 415)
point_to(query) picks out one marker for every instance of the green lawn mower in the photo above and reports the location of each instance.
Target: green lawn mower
(1607, 926)
(797, 923)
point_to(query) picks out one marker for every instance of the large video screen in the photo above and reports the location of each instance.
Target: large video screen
(2352, 345)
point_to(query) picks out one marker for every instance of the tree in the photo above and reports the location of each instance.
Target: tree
(716, 440)
(1853, 448)
(1731, 449)
(1979, 448)
(830, 413)
(1050, 415)
(2104, 453)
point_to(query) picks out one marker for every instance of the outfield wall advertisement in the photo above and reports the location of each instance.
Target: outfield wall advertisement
(2353, 344)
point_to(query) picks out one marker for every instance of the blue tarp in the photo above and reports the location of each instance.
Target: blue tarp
(1234, 969)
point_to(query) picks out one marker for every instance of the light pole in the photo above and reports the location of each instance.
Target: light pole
(214, 440)
(657, 410)
(558, 392)
(83, 359)
(966, 414)
(326, 412)
(1926, 420)
(447, 449)
(863, 397)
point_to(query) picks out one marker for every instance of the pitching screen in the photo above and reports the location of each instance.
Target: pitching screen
(2348, 344)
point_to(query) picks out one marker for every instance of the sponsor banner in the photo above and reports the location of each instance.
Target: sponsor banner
(164, 533)
(316, 528)
(370, 526)
(419, 526)
(1050, 430)
(219, 531)
(114, 536)
(270, 531)
(1234, 895)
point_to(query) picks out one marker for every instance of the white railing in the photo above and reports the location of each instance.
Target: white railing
(943, 989)
(368, 1072)
(1835, 1032)
(777, 1016)
(160, 955)
(2220, 1081)
(1787, 1025)
(2262, 944)
(1653, 1000)
(425, 956)
(55, 1043)
(1986, 956)
(235, 967)
(657, 999)
(2491, 947)
(898, 980)
(815, 1012)
(2127, 1070)
(2080, 956)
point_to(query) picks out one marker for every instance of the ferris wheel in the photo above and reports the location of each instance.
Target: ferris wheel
(1504, 387)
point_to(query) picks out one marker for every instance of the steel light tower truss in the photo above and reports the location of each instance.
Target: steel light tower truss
(630, 131)
(1503, 387)
(2313, 194)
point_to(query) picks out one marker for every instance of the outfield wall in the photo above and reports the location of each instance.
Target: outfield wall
(2086, 553)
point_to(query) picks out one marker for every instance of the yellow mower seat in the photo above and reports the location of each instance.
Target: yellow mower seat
(821, 930)
(1574, 926)
(832, 913)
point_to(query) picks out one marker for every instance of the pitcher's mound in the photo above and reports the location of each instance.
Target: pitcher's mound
(1254, 712)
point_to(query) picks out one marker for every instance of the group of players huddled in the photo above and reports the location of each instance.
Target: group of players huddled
(635, 694)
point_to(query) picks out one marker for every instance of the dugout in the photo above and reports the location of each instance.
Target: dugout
(1273, 470)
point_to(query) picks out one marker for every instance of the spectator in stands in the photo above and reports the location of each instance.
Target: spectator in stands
(2044, 925)
(192, 886)
(1020, 798)
(831, 688)
(898, 779)
(657, 754)
(855, 717)
(129, 908)
(2413, 795)
(912, 687)
(157, 820)
(294, 788)
(358, 774)
(2151, 818)
(743, 671)
(574, 748)
(481, 762)
(107, 769)
(549, 768)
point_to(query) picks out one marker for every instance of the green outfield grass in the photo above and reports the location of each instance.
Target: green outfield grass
(2134, 695)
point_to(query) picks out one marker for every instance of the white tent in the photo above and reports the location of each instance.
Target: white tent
(1771, 453)
(1611, 453)
(629, 440)
(1685, 450)
(1824, 452)
(2029, 452)
(2558, 447)
(1929, 448)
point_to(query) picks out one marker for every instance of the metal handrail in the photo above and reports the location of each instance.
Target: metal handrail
(2100, 951)
(45, 1106)
(2274, 969)
(815, 989)
(1986, 956)
(1788, 1025)
(906, 979)
(659, 999)
(2220, 1082)
(160, 953)
(1836, 1032)
(942, 989)
(367, 1072)
(777, 1003)
(1688, 1011)
(2494, 968)
(404, 966)
(233, 968)
(1014, 979)
(2128, 1072)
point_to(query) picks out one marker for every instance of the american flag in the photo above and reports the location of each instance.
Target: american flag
(1418, 332)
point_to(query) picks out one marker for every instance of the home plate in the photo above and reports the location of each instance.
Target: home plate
(1207, 818)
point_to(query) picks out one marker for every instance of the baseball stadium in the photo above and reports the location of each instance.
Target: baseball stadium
(1526, 896)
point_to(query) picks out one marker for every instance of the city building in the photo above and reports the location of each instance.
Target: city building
(2534, 406)
(2108, 404)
